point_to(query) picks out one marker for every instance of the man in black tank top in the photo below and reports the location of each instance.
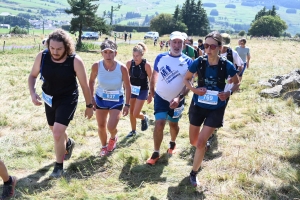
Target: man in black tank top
(58, 67)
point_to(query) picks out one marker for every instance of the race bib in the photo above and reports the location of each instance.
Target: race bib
(135, 90)
(210, 97)
(47, 99)
(178, 111)
(111, 95)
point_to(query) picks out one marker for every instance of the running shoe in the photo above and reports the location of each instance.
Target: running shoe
(57, 173)
(69, 149)
(145, 123)
(209, 141)
(131, 133)
(104, 151)
(154, 158)
(9, 190)
(172, 147)
(112, 143)
(193, 179)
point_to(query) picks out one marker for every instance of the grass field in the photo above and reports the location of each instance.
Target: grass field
(256, 155)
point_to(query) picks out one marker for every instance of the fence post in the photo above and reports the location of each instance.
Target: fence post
(3, 45)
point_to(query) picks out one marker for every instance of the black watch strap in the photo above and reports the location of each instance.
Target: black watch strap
(127, 105)
(89, 105)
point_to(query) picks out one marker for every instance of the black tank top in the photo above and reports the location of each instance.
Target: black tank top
(59, 78)
(138, 75)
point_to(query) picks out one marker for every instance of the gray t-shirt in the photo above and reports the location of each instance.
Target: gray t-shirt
(243, 52)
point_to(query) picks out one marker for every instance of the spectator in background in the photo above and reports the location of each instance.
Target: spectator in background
(244, 53)
(201, 46)
(125, 36)
(187, 48)
(198, 52)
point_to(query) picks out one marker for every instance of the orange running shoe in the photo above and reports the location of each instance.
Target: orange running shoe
(112, 143)
(154, 158)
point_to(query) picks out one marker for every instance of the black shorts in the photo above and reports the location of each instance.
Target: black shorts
(62, 110)
(211, 118)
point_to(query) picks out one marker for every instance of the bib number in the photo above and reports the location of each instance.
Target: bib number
(111, 95)
(47, 99)
(210, 97)
(135, 90)
(178, 111)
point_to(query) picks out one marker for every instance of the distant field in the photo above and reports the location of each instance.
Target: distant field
(240, 15)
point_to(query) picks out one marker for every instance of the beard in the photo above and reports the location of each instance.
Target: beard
(60, 58)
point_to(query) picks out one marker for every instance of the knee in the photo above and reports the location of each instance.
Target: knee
(160, 124)
(101, 126)
(1, 163)
(200, 144)
(135, 114)
(193, 142)
(57, 135)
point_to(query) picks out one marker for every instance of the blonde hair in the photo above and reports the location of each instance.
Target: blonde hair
(140, 47)
(60, 35)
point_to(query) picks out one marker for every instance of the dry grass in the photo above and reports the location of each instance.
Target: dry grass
(256, 154)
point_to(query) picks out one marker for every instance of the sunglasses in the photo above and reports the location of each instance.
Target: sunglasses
(212, 46)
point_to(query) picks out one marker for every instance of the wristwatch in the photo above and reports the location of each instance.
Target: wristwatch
(230, 92)
(89, 105)
(127, 105)
(181, 96)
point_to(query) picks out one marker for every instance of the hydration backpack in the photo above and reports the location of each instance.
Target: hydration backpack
(221, 74)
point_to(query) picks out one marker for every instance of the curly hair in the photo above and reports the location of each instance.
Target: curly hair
(60, 35)
(140, 47)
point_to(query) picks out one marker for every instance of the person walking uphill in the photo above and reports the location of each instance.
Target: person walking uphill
(111, 76)
(140, 72)
(169, 70)
(59, 66)
(209, 99)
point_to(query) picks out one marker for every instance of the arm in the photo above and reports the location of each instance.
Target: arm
(149, 74)
(82, 78)
(126, 82)
(93, 76)
(32, 80)
(188, 83)
(248, 59)
(153, 81)
(236, 84)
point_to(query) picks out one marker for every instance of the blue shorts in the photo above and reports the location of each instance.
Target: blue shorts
(245, 66)
(143, 95)
(162, 109)
(104, 104)
(211, 118)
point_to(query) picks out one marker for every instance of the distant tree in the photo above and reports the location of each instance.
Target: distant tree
(84, 15)
(18, 30)
(214, 12)
(291, 11)
(242, 33)
(297, 35)
(163, 23)
(268, 25)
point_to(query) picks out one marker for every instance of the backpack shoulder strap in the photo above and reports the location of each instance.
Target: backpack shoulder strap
(42, 63)
(201, 70)
(222, 72)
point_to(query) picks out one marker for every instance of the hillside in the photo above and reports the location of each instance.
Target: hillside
(238, 18)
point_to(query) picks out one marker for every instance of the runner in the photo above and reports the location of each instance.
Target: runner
(9, 182)
(59, 66)
(111, 76)
(140, 72)
(209, 99)
(169, 70)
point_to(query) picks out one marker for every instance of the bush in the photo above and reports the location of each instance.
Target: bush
(249, 4)
(18, 30)
(211, 5)
(211, 19)
(230, 6)
(242, 33)
(214, 12)
(291, 11)
(297, 35)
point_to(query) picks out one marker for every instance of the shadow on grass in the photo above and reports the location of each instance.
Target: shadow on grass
(82, 169)
(185, 190)
(136, 175)
(210, 153)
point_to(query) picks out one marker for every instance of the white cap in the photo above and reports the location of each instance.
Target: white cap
(195, 44)
(184, 36)
(176, 35)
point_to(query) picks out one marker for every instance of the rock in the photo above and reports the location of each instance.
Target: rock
(265, 84)
(293, 94)
(272, 92)
(293, 82)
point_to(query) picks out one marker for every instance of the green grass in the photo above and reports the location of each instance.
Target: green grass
(255, 154)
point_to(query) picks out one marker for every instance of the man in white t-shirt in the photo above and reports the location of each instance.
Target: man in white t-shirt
(168, 90)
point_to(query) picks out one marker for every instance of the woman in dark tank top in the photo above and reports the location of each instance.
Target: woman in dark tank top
(140, 72)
